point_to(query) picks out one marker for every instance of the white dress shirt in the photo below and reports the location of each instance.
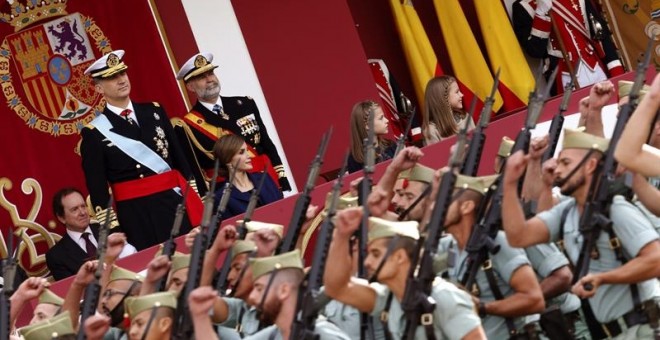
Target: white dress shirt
(77, 237)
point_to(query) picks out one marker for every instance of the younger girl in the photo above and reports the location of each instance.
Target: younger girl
(384, 148)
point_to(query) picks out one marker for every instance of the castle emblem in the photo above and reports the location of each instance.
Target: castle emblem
(42, 66)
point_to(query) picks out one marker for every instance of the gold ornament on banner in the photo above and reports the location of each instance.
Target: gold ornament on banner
(30, 232)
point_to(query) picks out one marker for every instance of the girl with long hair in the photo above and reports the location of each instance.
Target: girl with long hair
(385, 148)
(443, 113)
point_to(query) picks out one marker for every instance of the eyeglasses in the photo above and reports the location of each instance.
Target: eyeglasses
(110, 293)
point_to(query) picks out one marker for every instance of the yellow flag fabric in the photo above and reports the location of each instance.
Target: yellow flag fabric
(504, 52)
(468, 63)
(422, 61)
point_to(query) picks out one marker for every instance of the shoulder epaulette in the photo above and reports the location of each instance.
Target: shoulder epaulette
(90, 126)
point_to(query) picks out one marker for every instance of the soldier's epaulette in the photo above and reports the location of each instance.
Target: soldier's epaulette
(90, 126)
(156, 104)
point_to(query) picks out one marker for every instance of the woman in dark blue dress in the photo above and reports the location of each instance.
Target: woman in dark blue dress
(232, 151)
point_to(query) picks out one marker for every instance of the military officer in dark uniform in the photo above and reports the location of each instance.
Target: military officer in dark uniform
(213, 116)
(570, 34)
(131, 147)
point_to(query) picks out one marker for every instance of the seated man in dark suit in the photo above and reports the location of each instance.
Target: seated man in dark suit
(79, 243)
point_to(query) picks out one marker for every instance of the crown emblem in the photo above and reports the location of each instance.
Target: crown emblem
(200, 61)
(113, 60)
(22, 15)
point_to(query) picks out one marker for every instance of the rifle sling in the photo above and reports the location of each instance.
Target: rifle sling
(492, 282)
(388, 252)
(385, 316)
(614, 240)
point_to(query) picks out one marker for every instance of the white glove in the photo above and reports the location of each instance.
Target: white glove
(543, 7)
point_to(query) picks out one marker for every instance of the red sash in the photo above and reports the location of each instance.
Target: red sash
(259, 162)
(161, 182)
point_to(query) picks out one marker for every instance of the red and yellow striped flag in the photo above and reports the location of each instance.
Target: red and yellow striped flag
(421, 58)
(466, 59)
(504, 52)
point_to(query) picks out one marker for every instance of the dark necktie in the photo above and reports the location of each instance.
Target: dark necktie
(217, 109)
(126, 115)
(89, 246)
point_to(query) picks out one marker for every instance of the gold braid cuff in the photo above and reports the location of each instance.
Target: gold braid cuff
(101, 213)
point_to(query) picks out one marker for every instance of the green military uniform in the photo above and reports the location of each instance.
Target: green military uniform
(453, 317)
(241, 320)
(634, 232)
(545, 259)
(347, 318)
(504, 264)
(269, 266)
(324, 329)
(612, 304)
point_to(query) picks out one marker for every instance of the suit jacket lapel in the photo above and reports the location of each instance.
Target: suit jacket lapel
(75, 251)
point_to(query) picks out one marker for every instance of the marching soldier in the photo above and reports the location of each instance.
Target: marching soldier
(562, 317)
(626, 259)
(58, 327)
(505, 289)
(152, 316)
(570, 33)
(454, 316)
(132, 148)
(49, 304)
(214, 116)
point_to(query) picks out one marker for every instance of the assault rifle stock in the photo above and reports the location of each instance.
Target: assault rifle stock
(93, 290)
(473, 157)
(307, 310)
(302, 203)
(596, 209)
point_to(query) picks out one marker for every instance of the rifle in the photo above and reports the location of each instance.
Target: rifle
(473, 157)
(212, 223)
(9, 275)
(302, 203)
(417, 302)
(307, 309)
(242, 232)
(365, 190)
(558, 122)
(596, 209)
(200, 244)
(169, 247)
(489, 213)
(93, 290)
(401, 141)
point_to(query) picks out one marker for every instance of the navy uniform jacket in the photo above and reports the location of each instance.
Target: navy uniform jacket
(244, 121)
(238, 200)
(146, 220)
